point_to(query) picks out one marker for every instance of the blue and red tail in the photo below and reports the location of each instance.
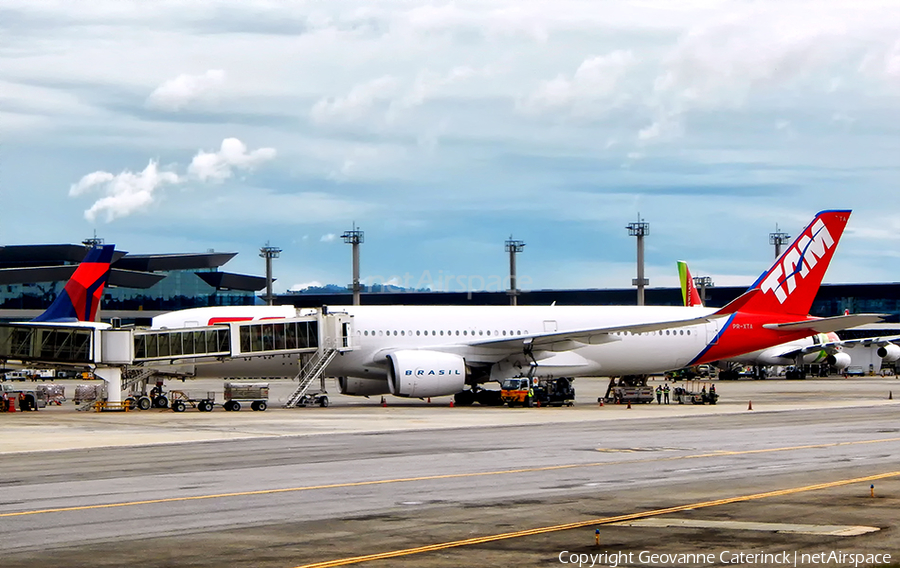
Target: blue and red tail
(80, 298)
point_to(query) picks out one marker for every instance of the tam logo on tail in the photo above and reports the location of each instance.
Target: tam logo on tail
(791, 284)
(798, 261)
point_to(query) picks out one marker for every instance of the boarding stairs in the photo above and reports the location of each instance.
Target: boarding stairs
(134, 376)
(312, 370)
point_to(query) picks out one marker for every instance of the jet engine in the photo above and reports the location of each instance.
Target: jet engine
(839, 360)
(355, 386)
(422, 374)
(889, 352)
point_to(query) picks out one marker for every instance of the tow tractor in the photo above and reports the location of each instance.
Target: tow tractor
(545, 392)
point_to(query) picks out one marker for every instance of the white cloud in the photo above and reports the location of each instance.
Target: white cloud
(356, 103)
(183, 90)
(594, 88)
(126, 192)
(233, 154)
(328, 238)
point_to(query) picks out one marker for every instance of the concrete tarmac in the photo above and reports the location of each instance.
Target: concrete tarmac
(286, 488)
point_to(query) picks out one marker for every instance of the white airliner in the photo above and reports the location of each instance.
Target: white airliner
(425, 351)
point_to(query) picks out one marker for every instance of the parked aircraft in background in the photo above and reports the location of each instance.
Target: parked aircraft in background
(821, 348)
(80, 298)
(424, 351)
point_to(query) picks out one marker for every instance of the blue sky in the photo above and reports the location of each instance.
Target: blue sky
(443, 128)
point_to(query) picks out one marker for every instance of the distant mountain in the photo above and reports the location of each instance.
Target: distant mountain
(374, 289)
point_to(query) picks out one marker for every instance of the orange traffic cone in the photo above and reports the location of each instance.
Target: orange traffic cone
(750, 405)
(383, 402)
(429, 400)
(451, 403)
(629, 404)
(600, 400)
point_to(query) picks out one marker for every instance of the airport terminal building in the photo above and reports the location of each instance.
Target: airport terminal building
(31, 276)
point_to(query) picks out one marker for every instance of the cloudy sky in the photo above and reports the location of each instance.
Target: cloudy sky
(443, 128)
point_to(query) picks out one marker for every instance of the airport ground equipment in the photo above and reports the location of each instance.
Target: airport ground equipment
(26, 399)
(546, 392)
(254, 394)
(313, 369)
(695, 392)
(51, 393)
(630, 389)
(180, 400)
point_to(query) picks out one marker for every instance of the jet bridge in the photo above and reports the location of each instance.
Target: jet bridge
(108, 350)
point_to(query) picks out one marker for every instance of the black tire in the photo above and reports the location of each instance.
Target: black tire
(261, 406)
(130, 402)
(178, 406)
(235, 405)
(254, 405)
(144, 403)
(227, 406)
(205, 406)
(323, 402)
(161, 402)
(464, 398)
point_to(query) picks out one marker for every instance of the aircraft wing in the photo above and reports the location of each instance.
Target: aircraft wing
(565, 340)
(826, 325)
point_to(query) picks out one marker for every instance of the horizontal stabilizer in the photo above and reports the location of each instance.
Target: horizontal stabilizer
(738, 303)
(826, 325)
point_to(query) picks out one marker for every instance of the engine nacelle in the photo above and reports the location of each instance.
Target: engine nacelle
(838, 360)
(422, 374)
(889, 352)
(355, 386)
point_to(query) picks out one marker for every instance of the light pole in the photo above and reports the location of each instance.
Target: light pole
(640, 229)
(513, 247)
(355, 237)
(269, 252)
(778, 238)
(702, 283)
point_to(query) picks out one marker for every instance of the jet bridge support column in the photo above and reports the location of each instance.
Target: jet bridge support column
(113, 378)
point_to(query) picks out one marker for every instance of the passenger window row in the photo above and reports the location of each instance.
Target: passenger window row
(464, 332)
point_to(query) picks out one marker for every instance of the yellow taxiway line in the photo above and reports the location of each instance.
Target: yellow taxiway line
(436, 477)
(593, 522)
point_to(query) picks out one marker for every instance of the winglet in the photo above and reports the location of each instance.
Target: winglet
(80, 298)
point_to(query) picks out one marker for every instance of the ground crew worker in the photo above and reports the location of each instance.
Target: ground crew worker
(5, 402)
(530, 396)
(659, 391)
(666, 393)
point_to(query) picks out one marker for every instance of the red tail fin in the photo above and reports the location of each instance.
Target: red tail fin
(689, 293)
(790, 286)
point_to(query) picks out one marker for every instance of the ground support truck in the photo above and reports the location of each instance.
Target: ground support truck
(542, 392)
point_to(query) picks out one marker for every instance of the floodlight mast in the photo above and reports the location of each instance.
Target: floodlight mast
(778, 238)
(640, 229)
(513, 247)
(355, 237)
(702, 283)
(269, 252)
